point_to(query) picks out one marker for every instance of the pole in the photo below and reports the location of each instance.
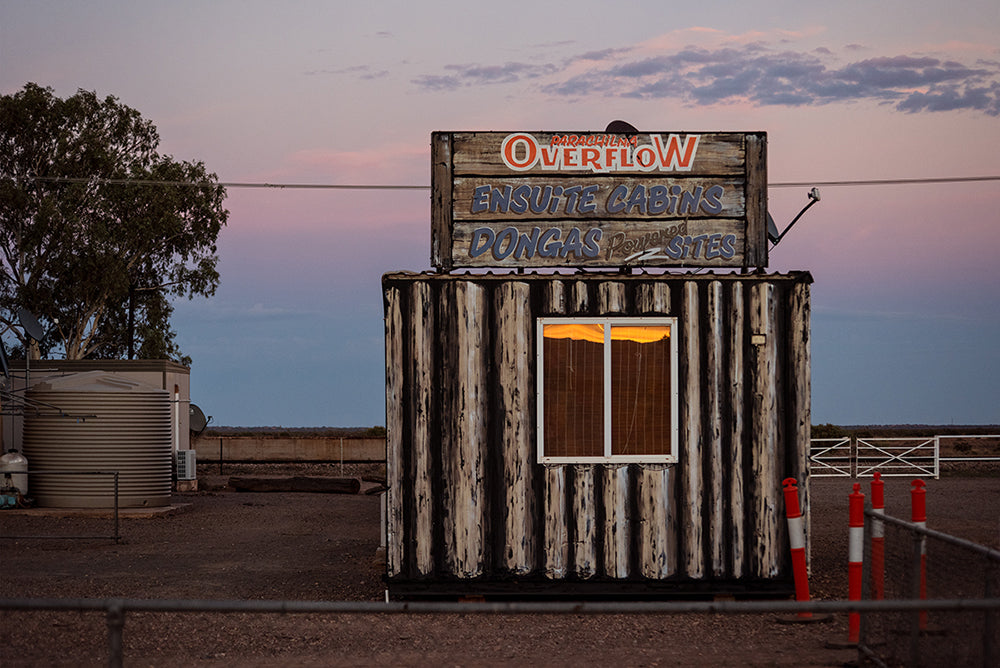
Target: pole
(797, 540)
(918, 508)
(115, 617)
(118, 536)
(131, 320)
(878, 537)
(855, 566)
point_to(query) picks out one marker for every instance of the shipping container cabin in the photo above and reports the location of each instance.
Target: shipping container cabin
(594, 434)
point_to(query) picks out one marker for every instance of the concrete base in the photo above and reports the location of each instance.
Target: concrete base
(184, 486)
(102, 513)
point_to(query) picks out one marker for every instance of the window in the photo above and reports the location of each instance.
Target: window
(607, 390)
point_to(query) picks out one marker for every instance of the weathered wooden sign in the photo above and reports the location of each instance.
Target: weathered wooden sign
(598, 199)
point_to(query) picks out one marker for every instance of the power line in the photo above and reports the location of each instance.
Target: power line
(225, 184)
(345, 186)
(886, 182)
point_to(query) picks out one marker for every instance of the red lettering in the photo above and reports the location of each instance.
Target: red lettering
(671, 156)
(511, 146)
(626, 158)
(600, 152)
(645, 157)
(609, 158)
(550, 156)
(569, 155)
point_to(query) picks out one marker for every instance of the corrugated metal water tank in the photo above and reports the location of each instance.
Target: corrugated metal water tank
(96, 421)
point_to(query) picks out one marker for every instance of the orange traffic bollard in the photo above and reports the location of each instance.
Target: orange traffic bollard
(855, 551)
(918, 504)
(797, 540)
(878, 538)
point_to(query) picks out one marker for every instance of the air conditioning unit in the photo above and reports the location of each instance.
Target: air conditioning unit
(185, 465)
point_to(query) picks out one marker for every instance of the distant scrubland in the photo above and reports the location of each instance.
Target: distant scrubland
(818, 431)
(901, 430)
(297, 432)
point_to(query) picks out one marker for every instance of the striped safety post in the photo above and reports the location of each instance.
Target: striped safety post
(878, 537)
(855, 552)
(797, 540)
(918, 505)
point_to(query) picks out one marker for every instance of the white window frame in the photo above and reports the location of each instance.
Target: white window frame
(608, 322)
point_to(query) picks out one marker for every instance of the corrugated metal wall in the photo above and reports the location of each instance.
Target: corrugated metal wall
(467, 500)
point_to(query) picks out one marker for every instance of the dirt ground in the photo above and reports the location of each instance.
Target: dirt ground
(271, 546)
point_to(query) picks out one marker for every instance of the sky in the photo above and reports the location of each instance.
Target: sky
(906, 299)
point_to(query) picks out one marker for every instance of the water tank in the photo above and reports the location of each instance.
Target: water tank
(96, 421)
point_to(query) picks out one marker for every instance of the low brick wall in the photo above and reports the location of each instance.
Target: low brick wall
(252, 449)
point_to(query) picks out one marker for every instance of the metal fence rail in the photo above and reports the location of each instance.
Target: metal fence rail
(115, 609)
(968, 458)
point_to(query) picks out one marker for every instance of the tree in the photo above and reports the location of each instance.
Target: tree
(92, 215)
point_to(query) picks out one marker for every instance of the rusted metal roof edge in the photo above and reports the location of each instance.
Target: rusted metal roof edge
(488, 276)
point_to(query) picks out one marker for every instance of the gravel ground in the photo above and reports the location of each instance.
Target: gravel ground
(259, 546)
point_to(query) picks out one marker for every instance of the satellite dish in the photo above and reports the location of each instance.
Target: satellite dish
(772, 229)
(198, 421)
(621, 127)
(30, 324)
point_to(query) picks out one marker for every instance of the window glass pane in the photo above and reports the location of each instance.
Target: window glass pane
(573, 388)
(640, 390)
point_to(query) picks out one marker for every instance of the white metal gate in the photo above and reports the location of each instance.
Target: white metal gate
(859, 457)
(831, 457)
(915, 456)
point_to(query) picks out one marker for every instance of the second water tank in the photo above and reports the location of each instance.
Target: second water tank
(96, 421)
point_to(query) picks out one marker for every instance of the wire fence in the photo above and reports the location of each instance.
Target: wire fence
(921, 565)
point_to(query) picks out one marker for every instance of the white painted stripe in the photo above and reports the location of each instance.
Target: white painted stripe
(796, 535)
(855, 547)
(878, 526)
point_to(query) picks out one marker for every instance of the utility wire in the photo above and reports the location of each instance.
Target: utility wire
(224, 184)
(343, 186)
(886, 182)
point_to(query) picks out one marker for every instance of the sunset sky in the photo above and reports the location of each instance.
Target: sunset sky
(906, 299)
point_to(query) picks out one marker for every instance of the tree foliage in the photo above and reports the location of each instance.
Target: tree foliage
(89, 211)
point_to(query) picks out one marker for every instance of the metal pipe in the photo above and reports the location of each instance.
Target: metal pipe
(982, 550)
(502, 607)
(116, 625)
